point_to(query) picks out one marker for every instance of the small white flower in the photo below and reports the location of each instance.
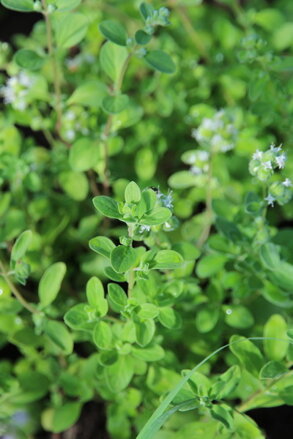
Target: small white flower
(70, 135)
(69, 115)
(216, 139)
(281, 160)
(144, 229)
(203, 155)
(273, 148)
(267, 165)
(195, 170)
(287, 182)
(270, 200)
(257, 155)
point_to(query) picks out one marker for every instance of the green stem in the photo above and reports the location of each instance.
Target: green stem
(190, 29)
(131, 273)
(15, 291)
(250, 402)
(56, 76)
(108, 127)
(209, 209)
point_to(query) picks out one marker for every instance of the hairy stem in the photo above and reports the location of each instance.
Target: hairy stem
(15, 291)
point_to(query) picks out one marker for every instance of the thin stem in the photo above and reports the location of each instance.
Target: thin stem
(209, 209)
(52, 54)
(190, 29)
(108, 127)
(131, 273)
(249, 403)
(15, 291)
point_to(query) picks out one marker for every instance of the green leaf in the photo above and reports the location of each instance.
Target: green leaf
(112, 59)
(50, 283)
(276, 327)
(167, 259)
(272, 370)
(149, 354)
(158, 216)
(269, 256)
(70, 29)
(67, 5)
(146, 10)
(113, 275)
(21, 245)
(207, 318)
(95, 296)
(107, 207)
(144, 332)
(59, 334)
(148, 311)
(28, 59)
(247, 353)
(89, 94)
(168, 317)
(19, 5)
(182, 180)
(287, 395)
(115, 104)
(132, 193)
(117, 297)
(187, 250)
(65, 416)
(238, 316)
(102, 336)
(75, 184)
(119, 374)
(114, 32)
(223, 414)
(160, 61)
(226, 383)
(84, 154)
(142, 38)
(210, 264)
(282, 276)
(78, 318)
(123, 258)
(102, 245)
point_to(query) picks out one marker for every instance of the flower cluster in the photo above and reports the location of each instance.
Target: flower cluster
(262, 166)
(159, 17)
(217, 132)
(16, 91)
(74, 122)
(197, 159)
(166, 200)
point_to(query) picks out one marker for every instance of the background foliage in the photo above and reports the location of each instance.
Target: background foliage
(110, 302)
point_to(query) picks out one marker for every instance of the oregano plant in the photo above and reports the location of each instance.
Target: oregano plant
(146, 258)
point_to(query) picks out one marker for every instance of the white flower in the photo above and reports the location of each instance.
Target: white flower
(203, 155)
(273, 148)
(287, 182)
(195, 170)
(257, 155)
(70, 134)
(267, 165)
(166, 200)
(270, 200)
(144, 229)
(281, 160)
(216, 139)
